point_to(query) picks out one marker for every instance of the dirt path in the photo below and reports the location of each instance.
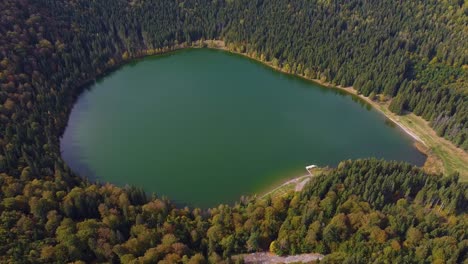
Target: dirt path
(301, 185)
(299, 182)
(219, 44)
(378, 106)
(442, 155)
(269, 258)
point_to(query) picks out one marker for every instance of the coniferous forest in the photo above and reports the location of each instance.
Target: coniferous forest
(415, 52)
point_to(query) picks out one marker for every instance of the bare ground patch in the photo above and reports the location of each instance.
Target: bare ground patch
(269, 258)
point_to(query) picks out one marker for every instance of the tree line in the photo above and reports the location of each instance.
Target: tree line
(50, 50)
(363, 211)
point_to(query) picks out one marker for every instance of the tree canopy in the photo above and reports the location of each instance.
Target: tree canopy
(414, 51)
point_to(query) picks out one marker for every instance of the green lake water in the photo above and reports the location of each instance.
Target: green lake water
(204, 127)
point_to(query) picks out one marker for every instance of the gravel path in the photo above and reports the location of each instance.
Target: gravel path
(296, 181)
(269, 258)
(301, 185)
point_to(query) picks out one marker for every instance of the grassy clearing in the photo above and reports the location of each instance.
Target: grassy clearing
(442, 155)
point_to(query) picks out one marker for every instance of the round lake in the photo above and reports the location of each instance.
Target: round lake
(204, 127)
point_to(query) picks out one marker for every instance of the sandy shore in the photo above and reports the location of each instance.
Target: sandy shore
(219, 44)
(442, 155)
(298, 182)
(437, 161)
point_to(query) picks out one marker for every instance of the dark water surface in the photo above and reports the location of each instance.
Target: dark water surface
(204, 127)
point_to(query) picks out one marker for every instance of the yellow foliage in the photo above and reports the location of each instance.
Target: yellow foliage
(125, 56)
(111, 62)
(378, 235)
(413, 237)
(9, 104)
(45, 44)
(273, 247)
(395, 245)
(47, 253)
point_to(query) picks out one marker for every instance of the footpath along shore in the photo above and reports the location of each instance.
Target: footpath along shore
(220, 45)
(442, 155)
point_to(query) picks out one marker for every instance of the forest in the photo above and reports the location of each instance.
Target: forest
(363, 211)
(367, 210)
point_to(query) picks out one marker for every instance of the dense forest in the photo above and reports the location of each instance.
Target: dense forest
(412, 51)
(363, 211)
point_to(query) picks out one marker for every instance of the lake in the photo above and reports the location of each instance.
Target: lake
(204, 127)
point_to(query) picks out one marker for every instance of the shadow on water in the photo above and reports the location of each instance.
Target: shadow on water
(290, 76)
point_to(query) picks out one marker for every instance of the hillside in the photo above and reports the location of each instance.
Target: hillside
(412, 51)
(363, 211)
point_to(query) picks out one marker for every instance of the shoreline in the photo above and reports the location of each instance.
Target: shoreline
(427, 141)
(349, 90)
(297, 181)
(439, 152)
